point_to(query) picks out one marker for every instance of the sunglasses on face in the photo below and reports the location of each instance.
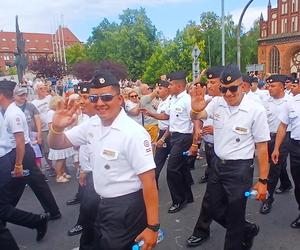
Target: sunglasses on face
(232, 89)
(103, 98)
(134, 96)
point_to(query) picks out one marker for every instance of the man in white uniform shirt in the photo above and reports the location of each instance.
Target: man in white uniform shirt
(202, 228)
(290, 115)
(240, 125)
(13, 155)
(273, 105)
(123, 166)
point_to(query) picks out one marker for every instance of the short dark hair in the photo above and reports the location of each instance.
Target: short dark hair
(116, 88)
(8, 93)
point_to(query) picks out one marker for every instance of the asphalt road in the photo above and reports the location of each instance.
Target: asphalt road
(275, 232)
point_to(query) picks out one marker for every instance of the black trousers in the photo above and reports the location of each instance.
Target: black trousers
(275, 169)
(202, 227)
(295, 167)
(209, 155)
(161, 155)
(9, 187)
(88, 213)
(7, 242)
(285, 181)
(35, 180)
(227, 183)
(119, 221)
(178, 172)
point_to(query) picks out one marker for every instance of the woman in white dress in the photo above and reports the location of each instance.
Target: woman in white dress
(59, 156)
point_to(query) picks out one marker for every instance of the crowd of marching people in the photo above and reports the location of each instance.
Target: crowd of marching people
(120, 134)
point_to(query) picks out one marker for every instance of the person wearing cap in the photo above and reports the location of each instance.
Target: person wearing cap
(240, 126)
(273, 105)
(290, 116)
(163, 142)
(246, 87)
(288, 85)
(14, 145)
(202, 228)
(181, 128)
(122, 162)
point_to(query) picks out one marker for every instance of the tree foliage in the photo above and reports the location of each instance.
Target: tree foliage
(47, 67)
(76, 53)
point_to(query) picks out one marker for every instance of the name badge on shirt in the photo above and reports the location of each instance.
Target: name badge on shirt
(179, 109)
(109, 154)
(240, 130)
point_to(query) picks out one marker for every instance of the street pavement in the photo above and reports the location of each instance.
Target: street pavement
(275, 232)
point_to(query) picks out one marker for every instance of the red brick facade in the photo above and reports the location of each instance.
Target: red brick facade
(36, 45)
(279, 43)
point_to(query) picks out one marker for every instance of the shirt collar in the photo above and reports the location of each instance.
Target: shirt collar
(297, 97)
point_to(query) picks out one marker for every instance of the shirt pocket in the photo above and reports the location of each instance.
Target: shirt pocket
(241, 133)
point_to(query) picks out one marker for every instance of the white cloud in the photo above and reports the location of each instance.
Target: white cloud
(39, 16)
(250, 16)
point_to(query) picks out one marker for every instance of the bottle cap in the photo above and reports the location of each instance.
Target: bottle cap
(247, 194)
(135, 247)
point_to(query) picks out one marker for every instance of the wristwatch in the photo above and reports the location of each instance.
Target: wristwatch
(263, 181)
(154, 228)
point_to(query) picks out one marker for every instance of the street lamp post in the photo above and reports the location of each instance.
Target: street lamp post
(223, 33)
(239, 34)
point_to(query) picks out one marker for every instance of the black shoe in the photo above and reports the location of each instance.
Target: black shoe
(251, 231)
(77, 229)
(296, 223)
(194, 241)
(73, 201)
(55, 216)
(176, 207)
(266, 207)
(203, 179)
(42, 226)
(282, 190)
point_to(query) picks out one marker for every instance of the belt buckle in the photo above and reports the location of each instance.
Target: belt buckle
(223, 161)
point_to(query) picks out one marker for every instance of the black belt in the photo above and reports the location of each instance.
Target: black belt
(178, 134)
(123, 197)
(297, 142)
(273, 134)
(234, 162)
(209, 144)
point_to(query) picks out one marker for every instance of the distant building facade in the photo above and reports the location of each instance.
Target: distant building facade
(279, 43)
(36, 45)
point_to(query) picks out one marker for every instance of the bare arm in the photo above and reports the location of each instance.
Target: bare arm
(262, 155)
(20, 151)
(151, 202)
(279, 139)
(162, 116)
(57, 139)
(38, 124)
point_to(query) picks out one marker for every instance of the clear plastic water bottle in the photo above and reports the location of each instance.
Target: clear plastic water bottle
(253, 193)
(186, 153)
(160, 237)
(26, 172)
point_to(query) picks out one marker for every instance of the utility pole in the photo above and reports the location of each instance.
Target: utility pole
(223, 33)
(238, 37)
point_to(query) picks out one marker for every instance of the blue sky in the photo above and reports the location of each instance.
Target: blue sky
(82, 15)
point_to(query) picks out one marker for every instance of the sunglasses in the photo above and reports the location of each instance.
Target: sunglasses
(232, 89)
(134, 96)
(103, 98)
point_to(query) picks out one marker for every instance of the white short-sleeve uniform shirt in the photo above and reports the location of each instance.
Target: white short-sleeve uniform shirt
(290, 115)
(119, 153)
(236, 132)
(179, 112)
(162, 107)
(43, 106)
(13, 121)
(273, 107)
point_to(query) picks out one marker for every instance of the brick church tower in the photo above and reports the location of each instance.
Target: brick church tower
(279, 43)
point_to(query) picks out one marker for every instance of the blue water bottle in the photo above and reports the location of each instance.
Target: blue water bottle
(26, 172)
(160, 237)
(186, 153)
(253, 193)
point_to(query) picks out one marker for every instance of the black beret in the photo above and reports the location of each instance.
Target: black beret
(254, 79)
(179, 75)
(162, 83)
(289, 79)
(214, 72)
(230, 74)
(7, 85)
(103, 78)
(277, 78)
(76, 88)
(84, 87)
(295, 81)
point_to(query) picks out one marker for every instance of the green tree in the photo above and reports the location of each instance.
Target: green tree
(12, 71)
(76, 53)
(131, 43)
(175, 54)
